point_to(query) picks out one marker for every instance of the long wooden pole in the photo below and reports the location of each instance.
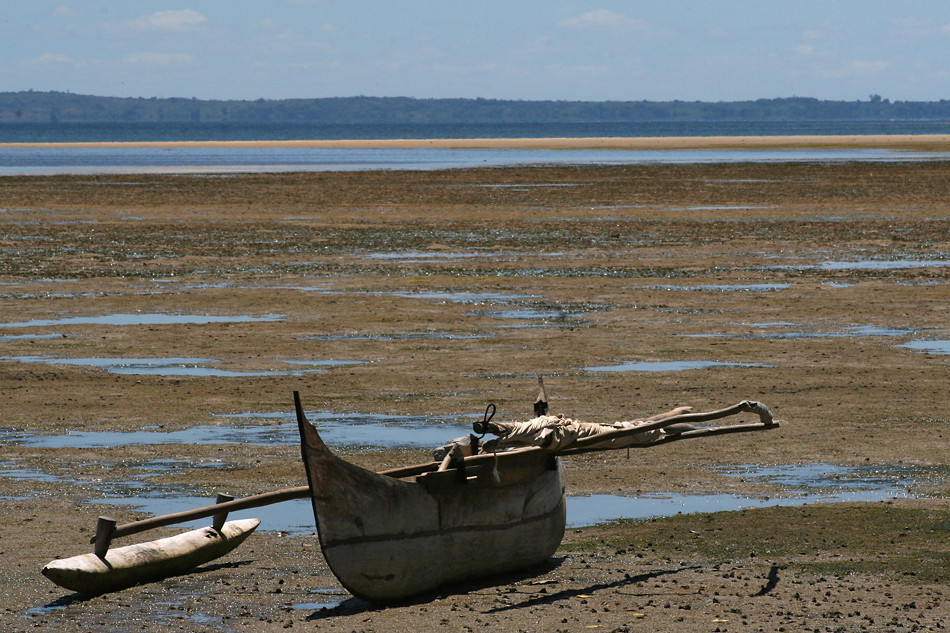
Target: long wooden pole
(245, 503)
(255, 501)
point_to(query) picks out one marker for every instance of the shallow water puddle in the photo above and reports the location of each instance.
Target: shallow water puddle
(180, 366)
(29, 337)
(430, 256)
(916, 283)
(175, 614)
(338, 429)
(367, 429)
(144, 319)
(395, 336)
(319, 606)
(342, 594)
(476, 298)
(47, 609)
(566, 314)
(582, 511)
(870, 330)
(856, 331)
(720, 287)
(830, 477)
(525, 313)
(681, 365)
(136, 484)
(866, 264)
(26, 474)
(930, 347)
(721, 208)
(884, 264)
(809, 483)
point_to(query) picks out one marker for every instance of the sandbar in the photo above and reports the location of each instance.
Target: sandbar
(902, 142)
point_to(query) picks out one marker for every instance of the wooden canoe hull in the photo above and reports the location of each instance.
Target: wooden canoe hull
(387, 539)
(131, 564)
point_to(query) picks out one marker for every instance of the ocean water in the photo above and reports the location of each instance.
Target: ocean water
(21, 161)
(47, 159)
(96, 132)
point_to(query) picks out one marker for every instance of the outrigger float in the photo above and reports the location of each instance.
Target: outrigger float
(387, 535)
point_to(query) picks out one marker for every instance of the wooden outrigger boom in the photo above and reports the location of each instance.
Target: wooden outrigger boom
(396, 533)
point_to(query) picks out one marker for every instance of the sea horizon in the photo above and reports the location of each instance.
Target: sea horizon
(71, 132)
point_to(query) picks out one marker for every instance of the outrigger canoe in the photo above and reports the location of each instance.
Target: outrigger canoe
(402, 532)
(387, 536)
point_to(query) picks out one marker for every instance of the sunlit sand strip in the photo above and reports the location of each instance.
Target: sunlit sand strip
(921, 143)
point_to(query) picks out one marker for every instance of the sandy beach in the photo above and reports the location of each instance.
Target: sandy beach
(158, 304)
(923, 142)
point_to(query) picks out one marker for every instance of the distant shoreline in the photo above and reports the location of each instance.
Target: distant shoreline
(922, 143)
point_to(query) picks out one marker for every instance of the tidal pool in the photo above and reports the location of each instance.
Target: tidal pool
(887, 479)
(395, 336)
(180, 366)
(430, 256)
(8, 471)
(138, 484)
(143, 319)
(477, 298)
(898, 263)
(340, 593)
(29, 337)
(676, 365)
(525, 313)
(582, 511)
(930, 347)
(799, 484)
(884, 264)
(720, 287)
(276, 429)
(804, 332)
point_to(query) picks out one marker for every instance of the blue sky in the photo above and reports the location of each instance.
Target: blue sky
(554, 49)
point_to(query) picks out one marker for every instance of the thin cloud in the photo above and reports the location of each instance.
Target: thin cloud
(157, 59)
(170, 20)
(64, 12)
(854, 68)
(864, 67)
(603, 19)
(916, 28)
(52, 59)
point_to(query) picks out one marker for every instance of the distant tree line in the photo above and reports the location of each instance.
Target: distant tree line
(45, 107)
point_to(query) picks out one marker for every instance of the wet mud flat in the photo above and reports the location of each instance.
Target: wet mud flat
(168, 306)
